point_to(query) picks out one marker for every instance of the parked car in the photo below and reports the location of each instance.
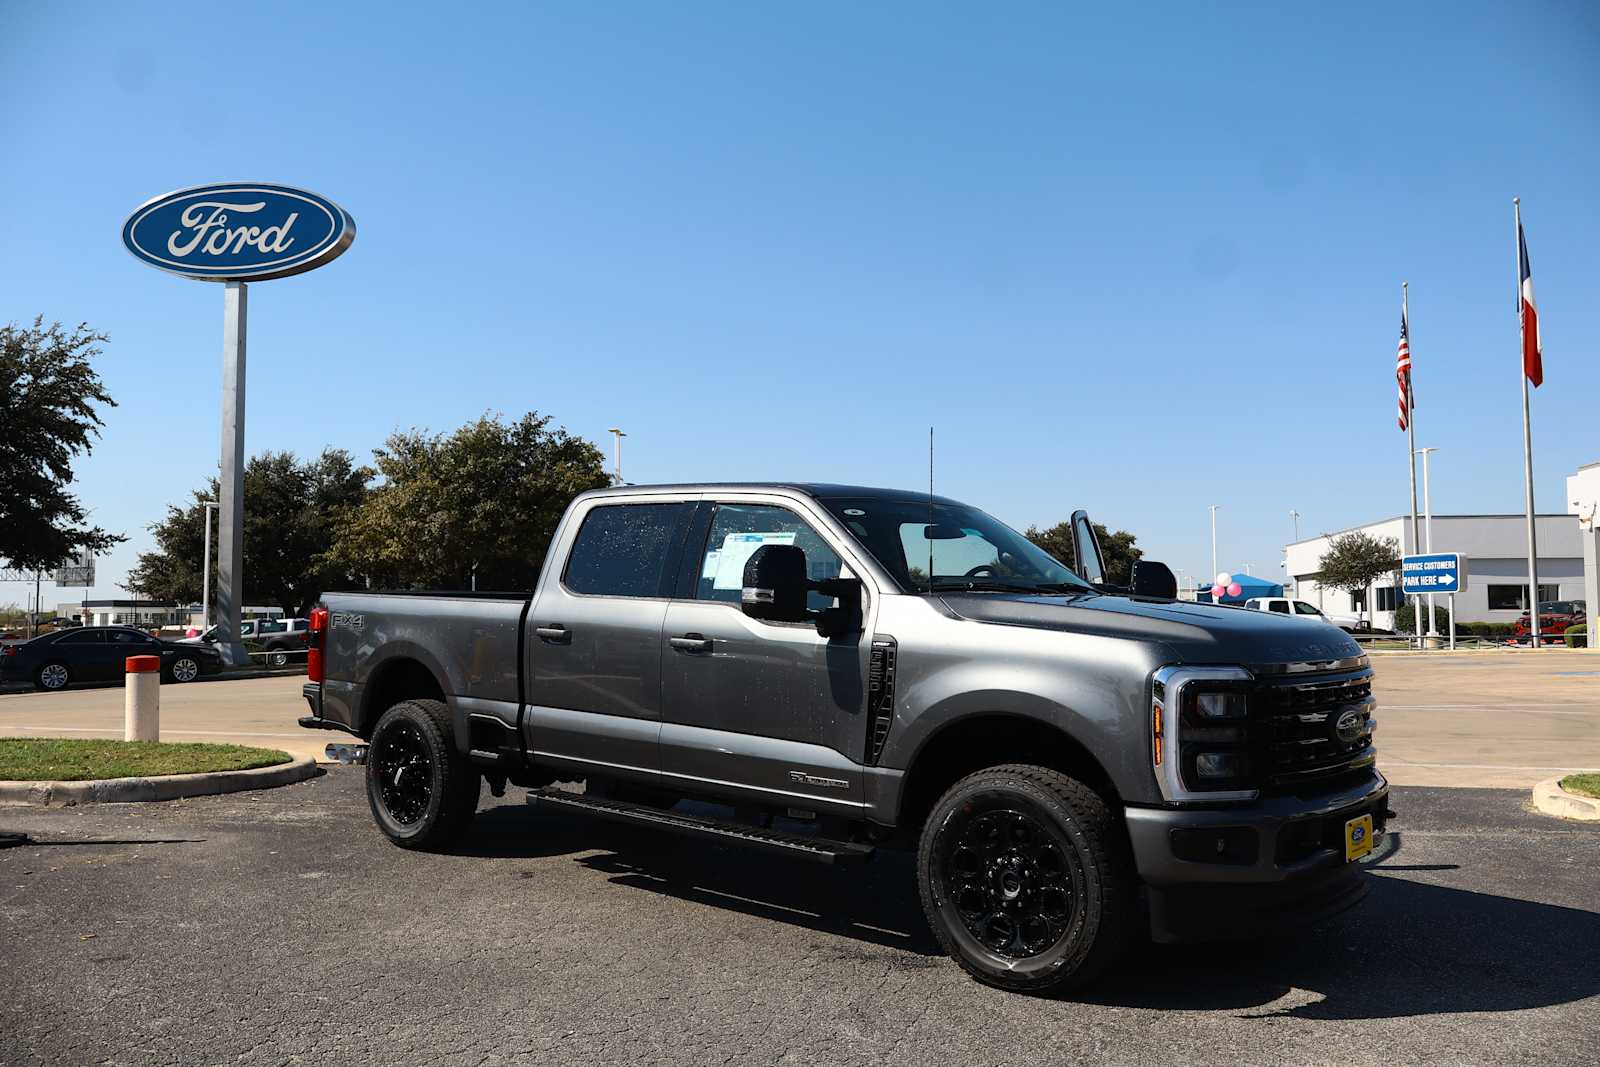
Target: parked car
(280, 640)
(98, 654)
(846, 669)
(273, 641)
(1287, 606)
(1554, 618)
(247, 630)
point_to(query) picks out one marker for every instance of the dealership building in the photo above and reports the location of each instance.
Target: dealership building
(1494, 551)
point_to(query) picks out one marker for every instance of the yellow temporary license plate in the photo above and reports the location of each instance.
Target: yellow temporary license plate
(1357, 837)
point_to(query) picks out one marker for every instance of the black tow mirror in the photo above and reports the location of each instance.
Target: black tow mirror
(775, 584)
(1155, 580)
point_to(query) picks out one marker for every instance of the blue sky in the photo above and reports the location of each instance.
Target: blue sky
(1139, 261)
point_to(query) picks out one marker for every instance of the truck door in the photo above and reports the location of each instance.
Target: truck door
(759, 711)
(594, 640)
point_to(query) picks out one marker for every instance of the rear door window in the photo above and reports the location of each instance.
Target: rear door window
(84, 637)
(1280, 606)
(622, 550)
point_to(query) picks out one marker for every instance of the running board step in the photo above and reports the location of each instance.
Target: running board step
(818, 850)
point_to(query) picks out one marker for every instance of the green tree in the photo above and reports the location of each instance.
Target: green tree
(48, 396)
(1118, 548)
(1354, 560)
(291, 509)
(489, 494)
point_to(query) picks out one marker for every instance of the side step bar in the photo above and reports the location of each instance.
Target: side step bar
(818, 850)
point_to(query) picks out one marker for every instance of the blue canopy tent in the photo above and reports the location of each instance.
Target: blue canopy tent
(1249, 586)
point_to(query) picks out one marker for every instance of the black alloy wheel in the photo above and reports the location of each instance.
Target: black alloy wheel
(404, 773)
(1026, 878)
(421, 790)
(1014, 885)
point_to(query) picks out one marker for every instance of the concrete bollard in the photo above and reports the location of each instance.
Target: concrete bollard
(141, 699)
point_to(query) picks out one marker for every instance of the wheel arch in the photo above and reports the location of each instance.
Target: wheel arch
(404, 674)
(987, 739)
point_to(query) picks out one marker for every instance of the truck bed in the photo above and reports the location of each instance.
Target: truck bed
(468, 641)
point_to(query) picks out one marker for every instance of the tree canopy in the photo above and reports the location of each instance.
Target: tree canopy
(1118, 548)
(1354, 560)
(292, 509)
(49, 392)
(488, 494)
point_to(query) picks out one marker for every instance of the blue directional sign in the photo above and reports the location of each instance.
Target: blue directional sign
(1437, 572)
(238, 231)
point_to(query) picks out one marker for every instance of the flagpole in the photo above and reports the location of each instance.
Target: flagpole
(1527, 438)
(1411, 449)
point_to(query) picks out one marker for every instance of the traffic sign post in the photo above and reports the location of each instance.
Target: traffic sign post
(1435, 572)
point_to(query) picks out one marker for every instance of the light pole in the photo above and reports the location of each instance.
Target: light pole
(1427, 527)
(1214, 571)
(617, 436)
(205, 572)
(1294, 517)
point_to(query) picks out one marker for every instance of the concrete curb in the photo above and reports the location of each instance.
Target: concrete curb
(163, 787)
(1550, 798)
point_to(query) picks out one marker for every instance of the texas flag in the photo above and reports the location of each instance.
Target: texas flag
(1532, 350)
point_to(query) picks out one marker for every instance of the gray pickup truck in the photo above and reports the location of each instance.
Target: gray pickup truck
(827, 670)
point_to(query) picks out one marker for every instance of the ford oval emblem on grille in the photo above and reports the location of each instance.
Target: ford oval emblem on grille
(1348, 728)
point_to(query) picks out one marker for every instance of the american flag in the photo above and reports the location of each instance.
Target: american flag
(1532, 345)
(1402, 371)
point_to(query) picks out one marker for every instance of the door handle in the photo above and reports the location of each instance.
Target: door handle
(691, 643)
(556, 635)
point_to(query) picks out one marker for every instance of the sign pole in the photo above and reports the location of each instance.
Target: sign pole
(230, 512)
(205, 573)
(1452, 622)
(1527, 445)
(1411, 452)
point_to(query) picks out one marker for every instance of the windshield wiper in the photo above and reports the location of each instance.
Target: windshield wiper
(988, 585)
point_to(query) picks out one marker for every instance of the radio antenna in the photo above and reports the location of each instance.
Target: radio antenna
(929, 532)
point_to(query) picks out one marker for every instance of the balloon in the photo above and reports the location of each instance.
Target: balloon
(1216, 592)
(1223, 578)
(1234, 589)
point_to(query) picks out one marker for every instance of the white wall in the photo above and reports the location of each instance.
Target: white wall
(1496, 551)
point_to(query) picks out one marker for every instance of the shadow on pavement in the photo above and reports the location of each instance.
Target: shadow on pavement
(1408, 949)
(875, 902)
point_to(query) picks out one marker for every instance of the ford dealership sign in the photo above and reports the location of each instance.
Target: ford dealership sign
(238, 231)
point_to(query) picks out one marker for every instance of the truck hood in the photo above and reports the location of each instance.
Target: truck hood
(1193, 633)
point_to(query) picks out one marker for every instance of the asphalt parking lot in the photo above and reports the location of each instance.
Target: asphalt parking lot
(279, 927)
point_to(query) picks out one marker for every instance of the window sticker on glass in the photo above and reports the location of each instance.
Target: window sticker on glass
(736, 550)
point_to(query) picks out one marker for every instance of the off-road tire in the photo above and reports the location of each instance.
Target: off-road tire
(421, 731)
(1091, 845)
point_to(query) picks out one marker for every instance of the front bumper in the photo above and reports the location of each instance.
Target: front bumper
(1251, 868)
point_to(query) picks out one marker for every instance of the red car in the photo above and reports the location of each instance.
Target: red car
(1554, 618)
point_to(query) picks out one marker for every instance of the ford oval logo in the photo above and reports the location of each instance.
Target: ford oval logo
(1348, 728)
(238, 231)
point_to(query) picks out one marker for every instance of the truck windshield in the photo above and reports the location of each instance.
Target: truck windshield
(969, 551)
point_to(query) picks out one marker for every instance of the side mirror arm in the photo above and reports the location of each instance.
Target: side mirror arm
(844, 619)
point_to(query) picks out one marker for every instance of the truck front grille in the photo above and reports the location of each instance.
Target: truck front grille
(1295, 727)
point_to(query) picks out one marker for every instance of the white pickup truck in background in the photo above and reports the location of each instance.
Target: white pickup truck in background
(1287, 606)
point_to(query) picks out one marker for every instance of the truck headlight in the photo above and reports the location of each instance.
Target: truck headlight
(1221, 704)
(1200, 733)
